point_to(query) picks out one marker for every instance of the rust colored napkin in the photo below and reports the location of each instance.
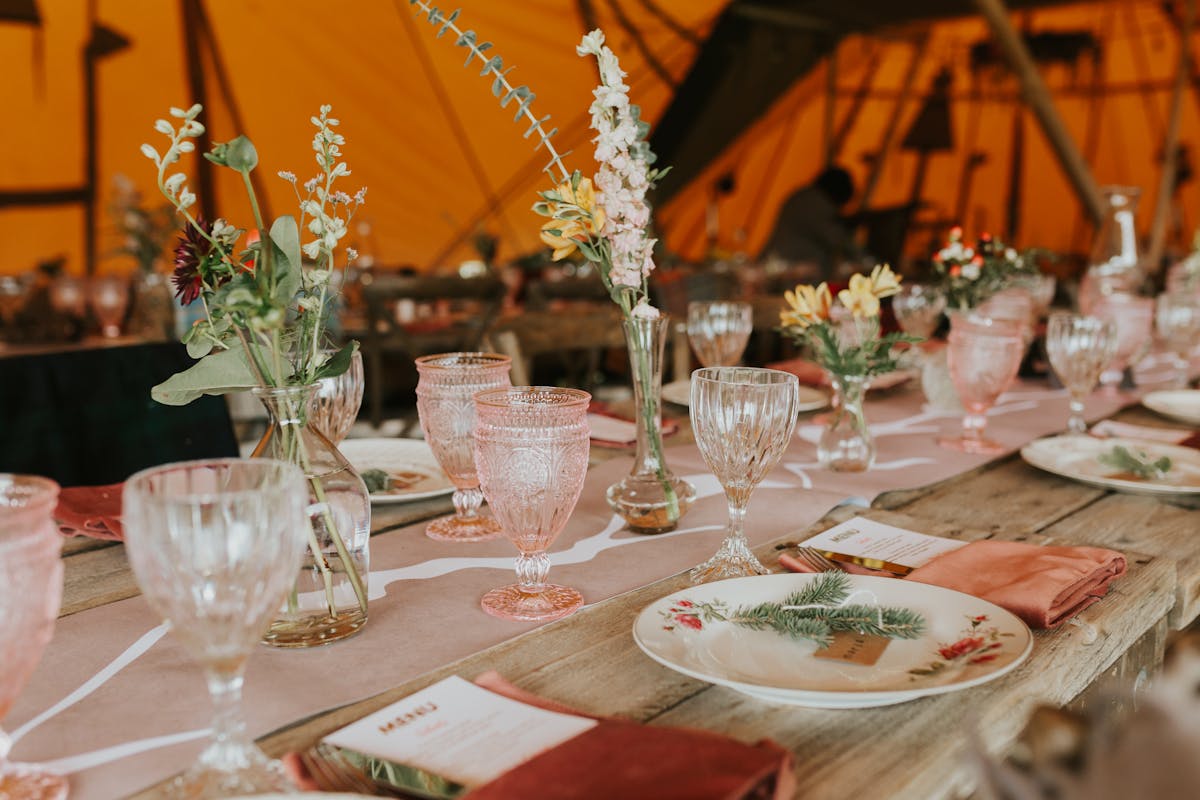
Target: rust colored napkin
(1045, 586)
(618, 758)
(90, 511)
(622, 759)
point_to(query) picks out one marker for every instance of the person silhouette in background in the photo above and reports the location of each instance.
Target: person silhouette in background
(810, 228)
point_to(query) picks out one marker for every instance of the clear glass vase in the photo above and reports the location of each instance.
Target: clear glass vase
(650, 499)
(329, 600)
(1113, 263)
(153, 313)
(846, 444)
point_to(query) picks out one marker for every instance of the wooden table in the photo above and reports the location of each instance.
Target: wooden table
(914, 750)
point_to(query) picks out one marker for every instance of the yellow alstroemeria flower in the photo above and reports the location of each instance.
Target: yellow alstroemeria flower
(860, 299)
(572, 231)
(884, 282)
(808, 305)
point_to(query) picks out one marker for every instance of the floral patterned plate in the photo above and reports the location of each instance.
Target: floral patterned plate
(410, 464)
(1078, 458)
(967, 642)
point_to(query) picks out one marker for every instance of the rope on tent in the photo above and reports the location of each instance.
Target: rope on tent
(639, 42)
(675, 26)
(456, 127)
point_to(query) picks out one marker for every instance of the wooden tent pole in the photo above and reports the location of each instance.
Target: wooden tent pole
(850, 116)
(90, 161)
(1037, 96)
(1166, 179)
(892, 131)
(190, 18)
(827, 122)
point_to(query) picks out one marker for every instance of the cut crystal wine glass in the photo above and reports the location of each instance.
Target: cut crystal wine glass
(31, 574)
(445, 390)
(918, 308)
(1177, 319)
(1079, 348)
(108, 296)
(983, 355)
(215, 546)
(531, 448)
(336, 401)
(718, 332)
(743, 419)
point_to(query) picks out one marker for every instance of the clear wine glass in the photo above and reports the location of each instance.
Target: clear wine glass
(1177, 318)
(31, 574)
(1079, 348)
(743, 419)
(336, 401)
(215, 546)
(983, 356)
(1134, 320)
(446, 387)
(918, 308)
(718, 332)
(531, 448)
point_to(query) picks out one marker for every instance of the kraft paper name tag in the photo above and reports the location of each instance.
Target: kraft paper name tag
(855, 648)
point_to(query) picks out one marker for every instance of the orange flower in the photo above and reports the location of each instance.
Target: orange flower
(809, 305)
(583, 218)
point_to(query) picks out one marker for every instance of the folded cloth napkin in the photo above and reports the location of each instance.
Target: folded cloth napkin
(90, 511)
(619, 758)
(1045, 586)
(1109, 428)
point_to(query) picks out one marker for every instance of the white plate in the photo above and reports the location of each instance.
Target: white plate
(1077, 457)
(680, 393)
(1182, 404)
(989, 642)
(399, 457)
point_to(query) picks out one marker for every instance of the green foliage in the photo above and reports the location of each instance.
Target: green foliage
(817, 611)
(1137, 462)
(238, 154)
(217, 373)
(874, 356)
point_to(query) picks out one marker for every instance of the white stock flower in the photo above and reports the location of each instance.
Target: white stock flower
(970, 271)
(290, 177)
(643, 310)
(186, 199)
(591, 43)
(164, 127)
(174, 182)
(312, 249)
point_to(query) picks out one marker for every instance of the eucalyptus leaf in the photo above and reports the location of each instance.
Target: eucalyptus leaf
(285, 242)
(200, 347)
(338, 363)
(217, 373)
(241, 155)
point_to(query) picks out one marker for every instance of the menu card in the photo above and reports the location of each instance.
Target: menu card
(457, 730)
(867, 541)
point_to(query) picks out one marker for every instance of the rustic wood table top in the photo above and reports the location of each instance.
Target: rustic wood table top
(913, 750)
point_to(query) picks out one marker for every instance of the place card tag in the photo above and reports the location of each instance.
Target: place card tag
(856, 648)
(459, 731)
(873, 544)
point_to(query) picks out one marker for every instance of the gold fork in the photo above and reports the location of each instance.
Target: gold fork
(817, 560)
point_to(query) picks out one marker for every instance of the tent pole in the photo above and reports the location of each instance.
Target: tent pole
(1037, 96)
(189, 12)
(1095, 110)
(1016, 167)
(859, 99)
(888, 143)
(91, 165)
(1166, 179)
(831, 72)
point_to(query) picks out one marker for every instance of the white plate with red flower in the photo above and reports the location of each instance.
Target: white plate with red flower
(966, 642)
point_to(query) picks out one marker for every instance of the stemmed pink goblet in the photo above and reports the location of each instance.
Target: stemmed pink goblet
(1134, 320)
(31, 574)
(446, 387)
(983, 355)
(531, 449)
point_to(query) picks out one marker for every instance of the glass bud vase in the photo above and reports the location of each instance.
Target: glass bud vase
(846, 444)
(329, 600)
(650, 499)
(1113, 265)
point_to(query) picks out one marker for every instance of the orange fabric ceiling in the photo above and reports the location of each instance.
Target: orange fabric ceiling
(784, 150)
(427, 188)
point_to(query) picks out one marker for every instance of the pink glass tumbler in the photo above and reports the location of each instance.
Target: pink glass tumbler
(983, 357)
(531, 448)
(1133, 317)
(445, 390)
(31, 574)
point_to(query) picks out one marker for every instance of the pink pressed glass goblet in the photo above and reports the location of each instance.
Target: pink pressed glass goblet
(1134, 319)
(108, 296)
(446, 387)
(531, 447)
(983, 357)
(31, 574)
